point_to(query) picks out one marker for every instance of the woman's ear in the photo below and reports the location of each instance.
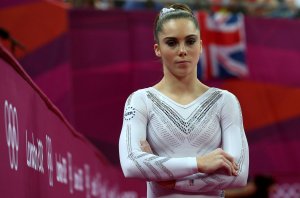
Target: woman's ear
(200, 46)
(157, 50)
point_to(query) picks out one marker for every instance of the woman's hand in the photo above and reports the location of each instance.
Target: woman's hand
(145, 146)
(217, 161)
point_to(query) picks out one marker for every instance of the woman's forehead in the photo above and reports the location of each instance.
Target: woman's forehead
(179, 26)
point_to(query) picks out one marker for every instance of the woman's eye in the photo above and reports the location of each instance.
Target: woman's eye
(191, 41)
(171, 43)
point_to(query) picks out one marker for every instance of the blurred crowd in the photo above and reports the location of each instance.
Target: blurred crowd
(265, 8)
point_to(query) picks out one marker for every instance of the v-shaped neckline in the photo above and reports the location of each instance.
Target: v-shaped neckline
(179, 104)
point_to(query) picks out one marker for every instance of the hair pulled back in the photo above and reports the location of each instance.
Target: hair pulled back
(174, 11)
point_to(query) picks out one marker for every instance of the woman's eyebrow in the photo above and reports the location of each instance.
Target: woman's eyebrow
(191, 35)
(169, 38)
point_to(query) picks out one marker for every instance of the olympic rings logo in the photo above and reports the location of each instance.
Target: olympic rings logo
(12, 133)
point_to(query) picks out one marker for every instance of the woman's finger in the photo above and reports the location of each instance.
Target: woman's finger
(145, 146)
(231, 159)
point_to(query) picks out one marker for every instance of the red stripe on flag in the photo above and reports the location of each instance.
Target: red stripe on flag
(204, 37)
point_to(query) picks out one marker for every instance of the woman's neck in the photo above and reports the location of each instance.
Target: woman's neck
(174, 85)
(181, 87)
(183, 92)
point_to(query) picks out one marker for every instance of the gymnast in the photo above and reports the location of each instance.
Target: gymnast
(184, 138)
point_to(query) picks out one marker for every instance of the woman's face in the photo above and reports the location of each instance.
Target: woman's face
(179, 47)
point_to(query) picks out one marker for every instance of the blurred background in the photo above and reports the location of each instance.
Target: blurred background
(89, 55)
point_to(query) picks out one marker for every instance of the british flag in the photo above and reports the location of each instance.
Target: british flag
(224, 46)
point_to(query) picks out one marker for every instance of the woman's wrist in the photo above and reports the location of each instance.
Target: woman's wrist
(199, 165)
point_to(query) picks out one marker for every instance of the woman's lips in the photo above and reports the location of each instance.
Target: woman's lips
(182, 62)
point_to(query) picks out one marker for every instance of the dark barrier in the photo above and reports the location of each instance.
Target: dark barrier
(41, 153)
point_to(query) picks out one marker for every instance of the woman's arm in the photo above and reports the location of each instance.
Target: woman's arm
(234, 143)
(139, 164)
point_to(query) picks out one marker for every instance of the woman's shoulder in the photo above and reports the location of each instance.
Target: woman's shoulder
(140, 92)
(226, 94)
(223, 91)
(138, 95)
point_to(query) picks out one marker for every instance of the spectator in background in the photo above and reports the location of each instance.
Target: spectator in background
(260, 187)
(98, 4)
(261, 7)
(297, 5)
(294, 7)
(14, 43)
(217, 5)
(285, 9)
(142, 4)
(104, 4)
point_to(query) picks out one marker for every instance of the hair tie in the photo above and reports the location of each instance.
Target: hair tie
(164, 11)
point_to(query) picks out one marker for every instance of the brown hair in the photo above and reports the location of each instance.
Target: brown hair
(174, 11)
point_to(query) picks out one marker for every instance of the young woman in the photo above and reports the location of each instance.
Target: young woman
(197, 145)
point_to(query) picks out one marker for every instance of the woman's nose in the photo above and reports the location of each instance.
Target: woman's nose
(182, 50)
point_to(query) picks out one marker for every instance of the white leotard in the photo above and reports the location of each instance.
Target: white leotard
(177, 134)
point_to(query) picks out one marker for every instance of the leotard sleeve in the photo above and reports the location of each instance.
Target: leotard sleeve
(138, 164)
(234, 142)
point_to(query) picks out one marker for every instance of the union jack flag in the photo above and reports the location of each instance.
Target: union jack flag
(224, 46)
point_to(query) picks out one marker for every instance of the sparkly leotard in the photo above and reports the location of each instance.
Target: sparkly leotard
(177, 134)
